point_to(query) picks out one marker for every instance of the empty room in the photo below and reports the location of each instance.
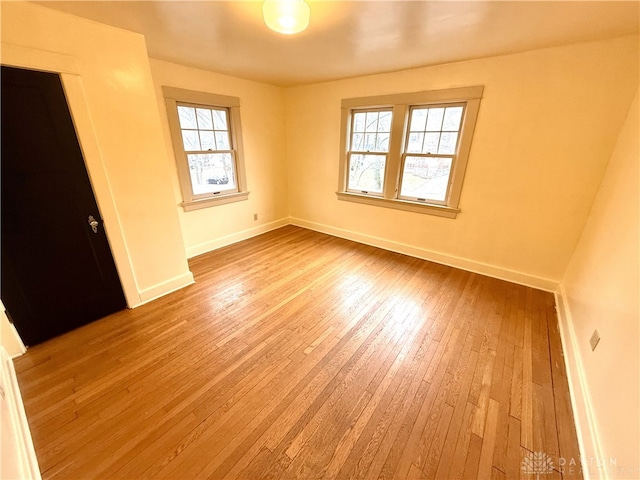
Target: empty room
(314, 239)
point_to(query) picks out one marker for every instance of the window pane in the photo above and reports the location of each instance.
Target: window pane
(452, 117)
(358, 122)
(358, 142)
(418, 119)
(220, 119)
(431, 143)
(222, 141)
(384, 122)
(426, 178)
(187, 116)
(448, 142)
(207, 140)
(382, 142)
(190, 140)
(211, 172)
(434, 120)
(204, 119)
(371, 122)
(415, 143)
(366, 172)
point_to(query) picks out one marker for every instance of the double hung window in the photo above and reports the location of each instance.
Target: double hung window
(370, 132)
(207, 141)
(408, 151)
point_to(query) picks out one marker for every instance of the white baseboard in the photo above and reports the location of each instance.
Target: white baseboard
(437, 257)
(149, 294)
(234, 238)
(584, 417)
(17, 455)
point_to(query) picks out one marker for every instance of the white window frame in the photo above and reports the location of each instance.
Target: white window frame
(178, 96)
(401, 104)
(350, 153)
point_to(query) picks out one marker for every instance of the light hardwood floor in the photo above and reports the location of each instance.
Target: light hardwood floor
(301, 355)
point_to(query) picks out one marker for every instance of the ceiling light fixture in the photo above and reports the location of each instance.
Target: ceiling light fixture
(286, 16)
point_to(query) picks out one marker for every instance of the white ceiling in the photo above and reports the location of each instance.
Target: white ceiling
(347, 39)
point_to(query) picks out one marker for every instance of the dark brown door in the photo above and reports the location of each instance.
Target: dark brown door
(57, 269)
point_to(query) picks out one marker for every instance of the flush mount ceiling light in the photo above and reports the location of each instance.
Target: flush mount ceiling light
(286, 16)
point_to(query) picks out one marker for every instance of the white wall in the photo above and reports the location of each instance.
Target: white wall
(601, 290)
(108, 82)
(547, 125)
(9, 338)
(262, 117)
(17, 455)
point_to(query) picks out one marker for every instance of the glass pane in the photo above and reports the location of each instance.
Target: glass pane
(452, 117)
(204, 119)
(358, 122)
(431, 143)
(222, 141)
(211, 172)
(382, 142)
(366, 172)
(370, 142)
(371, 123)
(187, 117)
(448, 142)
(220, 119)
(426, 178)
(190, 140)
(418, 119)
(358, 142)
(434, 121)
(207, 140)
(384, 122)
(415, 143)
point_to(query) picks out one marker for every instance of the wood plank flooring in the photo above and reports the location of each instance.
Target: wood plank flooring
(298, 355)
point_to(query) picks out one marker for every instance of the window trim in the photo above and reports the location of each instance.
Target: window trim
(174, 96)
(401, 104)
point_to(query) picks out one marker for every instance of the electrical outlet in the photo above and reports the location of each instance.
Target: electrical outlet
(595, 338)
(255, 216)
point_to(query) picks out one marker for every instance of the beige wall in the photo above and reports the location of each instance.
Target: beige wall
(111, 96)
(601, 290)
(547, 125)
(262, 117)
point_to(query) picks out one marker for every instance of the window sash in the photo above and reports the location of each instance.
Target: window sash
(408, 131)
(426, 199)
(365, 132)
(234, 169)
(213, 129)
(383, 174)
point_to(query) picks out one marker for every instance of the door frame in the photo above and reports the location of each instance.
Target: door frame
(67, 67)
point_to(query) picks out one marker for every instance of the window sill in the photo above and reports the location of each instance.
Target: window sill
(213, 201)
(408, 206)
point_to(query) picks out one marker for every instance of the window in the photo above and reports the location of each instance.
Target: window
(370, 132)
(207, 143)
(408, 151)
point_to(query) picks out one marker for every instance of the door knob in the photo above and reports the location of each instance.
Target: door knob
(93, 223)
